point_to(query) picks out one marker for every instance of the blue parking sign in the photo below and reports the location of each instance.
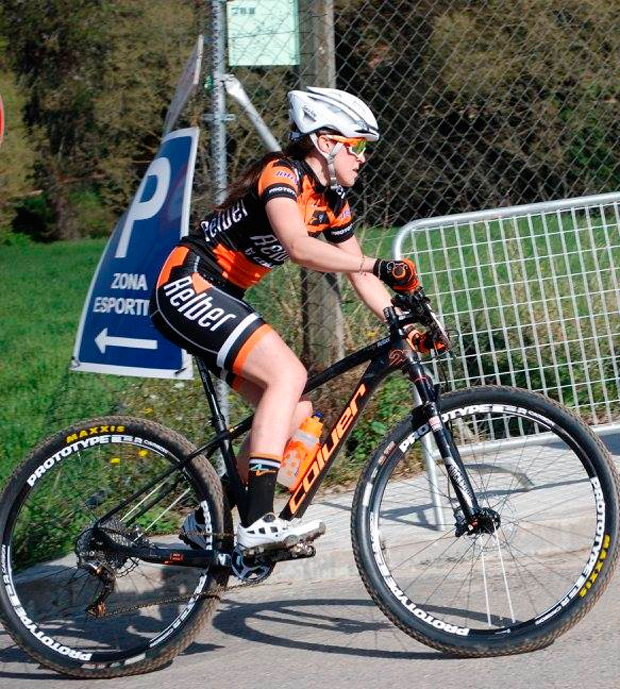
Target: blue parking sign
(115, 334)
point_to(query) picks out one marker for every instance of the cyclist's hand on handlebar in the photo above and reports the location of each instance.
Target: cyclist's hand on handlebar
(415, 307)
(401, 276)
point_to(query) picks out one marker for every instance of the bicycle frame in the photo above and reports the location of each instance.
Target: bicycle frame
(383, 361)
(385, 356)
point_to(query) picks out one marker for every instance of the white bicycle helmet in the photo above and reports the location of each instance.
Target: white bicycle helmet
(319, 108)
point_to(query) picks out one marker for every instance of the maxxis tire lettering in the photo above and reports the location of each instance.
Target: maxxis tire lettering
(168, 643)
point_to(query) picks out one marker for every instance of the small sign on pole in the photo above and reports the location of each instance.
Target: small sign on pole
(262, 33)
(115, 334)
(188, 82)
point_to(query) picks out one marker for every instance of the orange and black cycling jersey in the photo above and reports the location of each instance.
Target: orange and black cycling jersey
(238, 244)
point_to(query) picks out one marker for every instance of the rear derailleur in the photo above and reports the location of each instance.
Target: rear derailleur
(95, 556)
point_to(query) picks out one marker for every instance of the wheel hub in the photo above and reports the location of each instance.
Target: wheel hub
(486, 521)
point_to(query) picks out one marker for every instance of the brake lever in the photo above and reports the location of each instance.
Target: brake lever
(419, 310)
(439, 332)
(417, 304)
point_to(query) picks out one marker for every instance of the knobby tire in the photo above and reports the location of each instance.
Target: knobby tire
(70, 480)
(517, 589)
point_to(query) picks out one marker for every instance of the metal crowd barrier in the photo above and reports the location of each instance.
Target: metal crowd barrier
(532, 293)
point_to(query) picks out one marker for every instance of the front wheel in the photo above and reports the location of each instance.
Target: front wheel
(518, 586)
(54, 567)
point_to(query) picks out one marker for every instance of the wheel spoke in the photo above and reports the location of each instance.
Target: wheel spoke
(506, 586)
(512, 569)
(485, 588)
(60, 567)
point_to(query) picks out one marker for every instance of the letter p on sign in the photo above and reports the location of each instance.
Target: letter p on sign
(140, 209)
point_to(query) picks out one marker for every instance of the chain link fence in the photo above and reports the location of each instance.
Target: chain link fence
(480, 105)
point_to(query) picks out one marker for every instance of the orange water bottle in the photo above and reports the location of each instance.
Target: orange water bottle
(300, 451)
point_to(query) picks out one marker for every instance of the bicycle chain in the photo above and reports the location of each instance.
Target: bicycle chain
(185, 598)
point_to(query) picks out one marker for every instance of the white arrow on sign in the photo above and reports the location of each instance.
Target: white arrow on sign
(103, 340)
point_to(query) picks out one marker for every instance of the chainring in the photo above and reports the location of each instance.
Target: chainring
(249, 570)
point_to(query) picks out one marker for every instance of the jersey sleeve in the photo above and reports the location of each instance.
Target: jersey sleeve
(278, 180)
(342, 227)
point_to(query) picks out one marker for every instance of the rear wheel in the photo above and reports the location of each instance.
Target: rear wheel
(50, 552)
(549, 483)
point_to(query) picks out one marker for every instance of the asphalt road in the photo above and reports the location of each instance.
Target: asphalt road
(331, 635)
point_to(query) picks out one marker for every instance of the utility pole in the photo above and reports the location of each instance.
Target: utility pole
(322, 318)
(218, 136)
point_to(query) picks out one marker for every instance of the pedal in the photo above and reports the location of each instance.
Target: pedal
(297, 552)
(313, 535)
(291, 544)
(286, 544)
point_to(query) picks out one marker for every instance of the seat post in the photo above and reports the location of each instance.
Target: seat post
(217, 417)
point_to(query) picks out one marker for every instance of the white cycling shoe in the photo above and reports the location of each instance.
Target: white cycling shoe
(270, 532)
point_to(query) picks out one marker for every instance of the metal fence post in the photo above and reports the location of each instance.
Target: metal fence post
(218, 134)
(428, 448)
(218, 101)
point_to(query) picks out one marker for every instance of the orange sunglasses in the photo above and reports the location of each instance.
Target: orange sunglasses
(355, 146)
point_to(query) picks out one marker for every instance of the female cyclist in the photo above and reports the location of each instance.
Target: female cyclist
(277, 210)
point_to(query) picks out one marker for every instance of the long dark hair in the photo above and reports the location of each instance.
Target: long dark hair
(296, 150)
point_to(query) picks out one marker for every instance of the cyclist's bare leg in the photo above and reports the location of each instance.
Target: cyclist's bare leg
(273, 380)
(280, 379)
(252, 394)
(272, 366)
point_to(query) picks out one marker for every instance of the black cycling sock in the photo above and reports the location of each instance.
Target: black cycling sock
(263, 470)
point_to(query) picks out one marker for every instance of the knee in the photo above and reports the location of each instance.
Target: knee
(294, 377)
(299, 377)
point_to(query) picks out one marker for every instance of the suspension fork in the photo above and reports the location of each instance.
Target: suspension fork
(428, 397)
(448, 451)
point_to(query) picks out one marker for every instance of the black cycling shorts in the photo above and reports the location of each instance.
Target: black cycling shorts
(207, 321)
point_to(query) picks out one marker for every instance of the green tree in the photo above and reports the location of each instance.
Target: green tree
(483, 103)
(16, 153)
(149, 43)
(98, 77)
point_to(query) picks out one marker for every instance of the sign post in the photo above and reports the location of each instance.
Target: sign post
(115, 334)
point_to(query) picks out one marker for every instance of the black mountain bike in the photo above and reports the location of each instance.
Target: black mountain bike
(486, 523)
